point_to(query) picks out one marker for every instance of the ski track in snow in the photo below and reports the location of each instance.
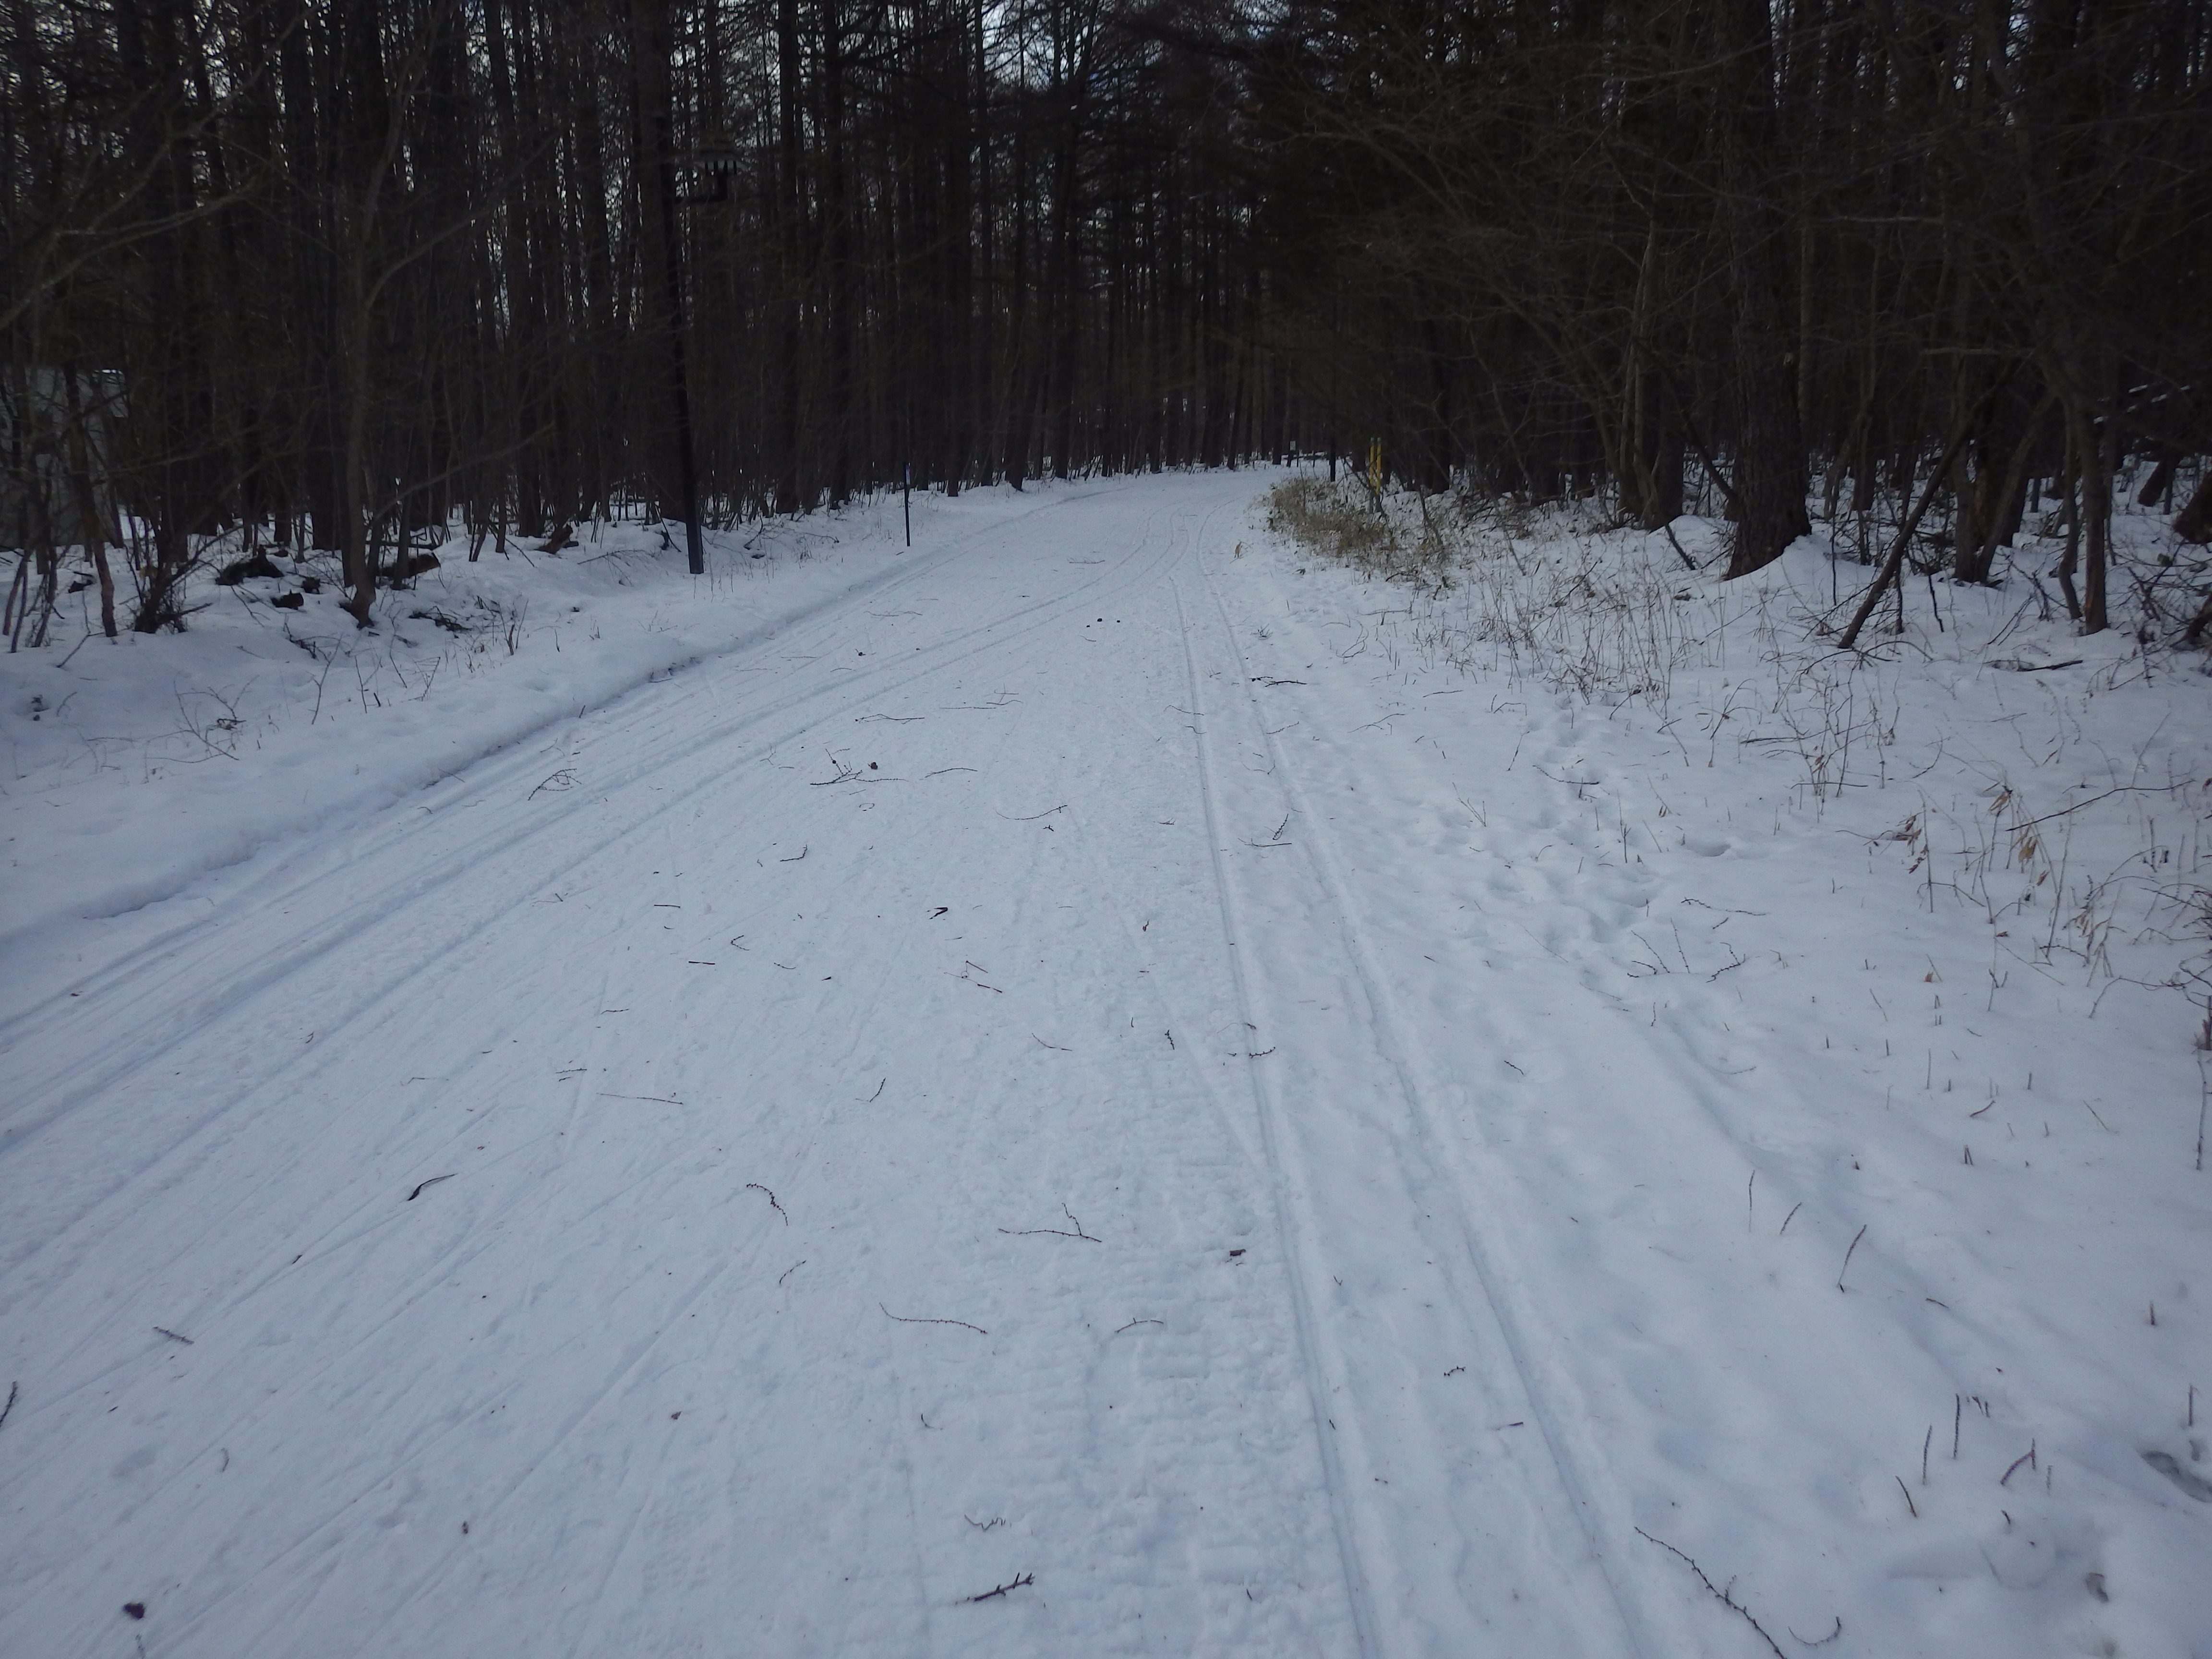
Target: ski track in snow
(866, 1151)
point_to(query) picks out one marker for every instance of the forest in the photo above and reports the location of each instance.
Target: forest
(358, 275)
(978, 829)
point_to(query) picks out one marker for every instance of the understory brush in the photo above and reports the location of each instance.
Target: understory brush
(2057, 783)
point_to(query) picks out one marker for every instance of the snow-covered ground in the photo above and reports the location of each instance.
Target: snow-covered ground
(1104, 1085)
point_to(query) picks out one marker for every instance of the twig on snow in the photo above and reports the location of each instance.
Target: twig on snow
(1032, 816)
(1054, 1232)
(1848, 1253)
(754, 1187)
(173, 1336)
(13, 1388)
(1723, 1596)
(432, 1181)
(1134, 1323)
(1825, 1640)
(564, 779)
(962, 1324)
(2124, 789)
(1027, 1578)
(849, 774)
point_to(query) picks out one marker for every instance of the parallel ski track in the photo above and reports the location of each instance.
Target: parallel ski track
(1403, 1041)
(1291, 1238)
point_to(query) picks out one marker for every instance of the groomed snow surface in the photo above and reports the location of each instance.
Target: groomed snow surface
(1104, 1085)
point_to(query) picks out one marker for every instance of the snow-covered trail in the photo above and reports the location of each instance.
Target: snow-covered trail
(1078, 1099)
(904, 1110)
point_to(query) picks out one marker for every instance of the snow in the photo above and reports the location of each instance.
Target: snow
(1261, 1112)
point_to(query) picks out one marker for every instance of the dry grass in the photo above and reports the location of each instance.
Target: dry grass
(2080, 853)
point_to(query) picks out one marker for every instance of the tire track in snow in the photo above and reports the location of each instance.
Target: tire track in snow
(180, 965)
(170, 961)
(630, 1361)
(402, 959)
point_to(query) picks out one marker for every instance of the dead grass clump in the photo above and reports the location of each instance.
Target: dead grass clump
(1340, 521)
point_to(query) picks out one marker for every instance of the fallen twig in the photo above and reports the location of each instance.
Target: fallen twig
(432, 1181)
(1134, 1323)
(849, 774)
(1846, 1267)
(1032, 816)
(962, 1324)
(564, 779)
(1054, 1232)
(2124, 789)
(173, 1336)
(13, 1388)
(796, 857)
(1027, 1578)
(754, 1187)
(1893, 562)
(1719, 1595)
